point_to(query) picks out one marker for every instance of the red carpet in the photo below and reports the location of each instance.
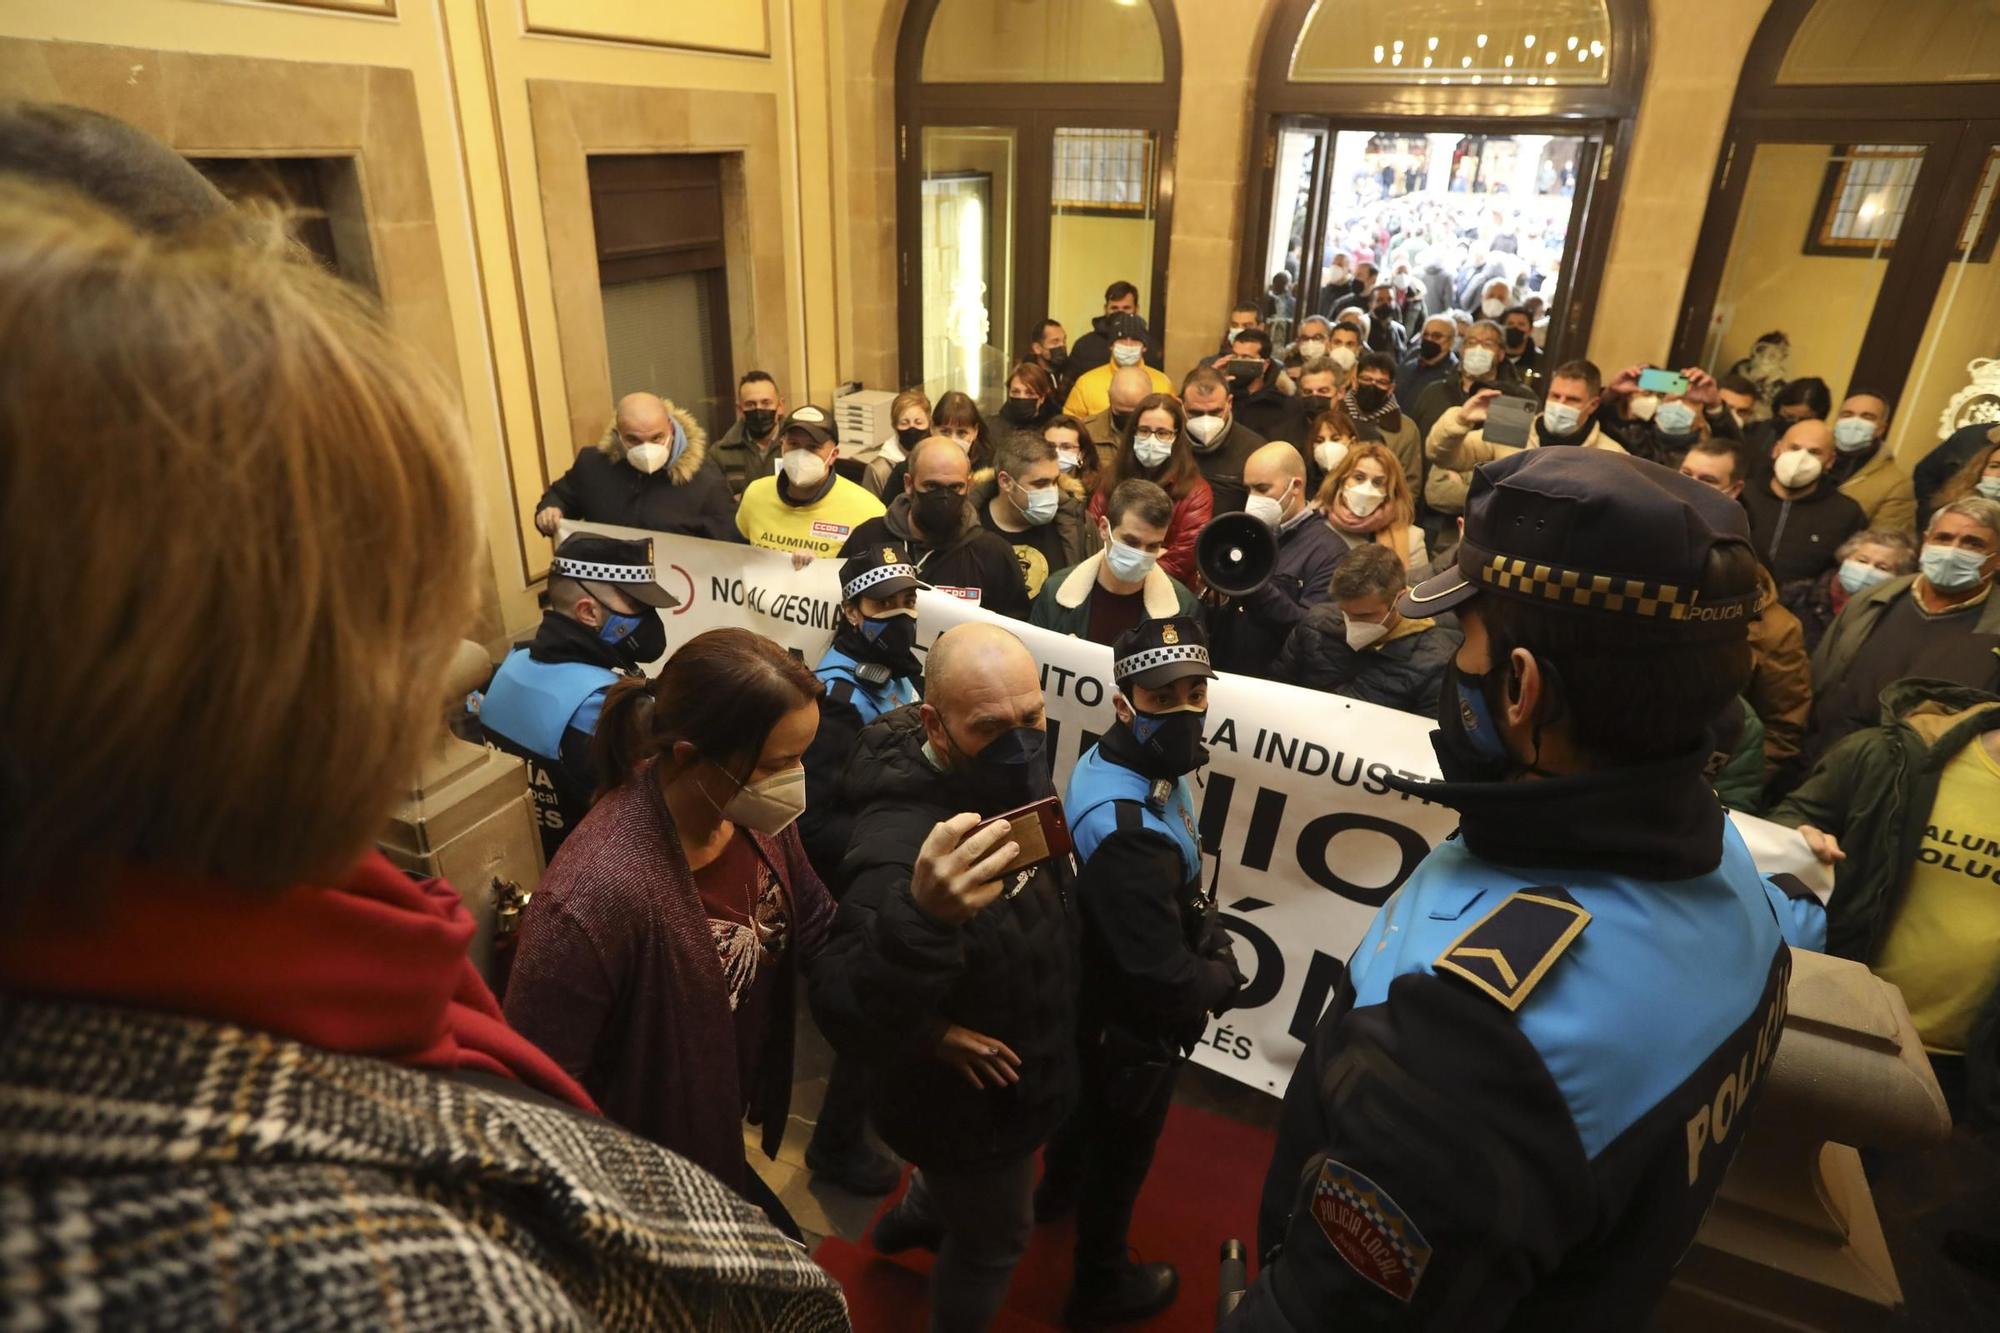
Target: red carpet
(1202, 1190)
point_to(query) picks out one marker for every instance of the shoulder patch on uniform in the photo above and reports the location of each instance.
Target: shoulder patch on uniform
(1505, 953)
(1792, 886)
(1368, 1231)
(1131, 817)
(840, 691)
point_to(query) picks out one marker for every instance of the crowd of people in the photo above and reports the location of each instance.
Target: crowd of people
(250, 1072)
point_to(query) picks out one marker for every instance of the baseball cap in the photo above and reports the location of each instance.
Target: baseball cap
(814, 421)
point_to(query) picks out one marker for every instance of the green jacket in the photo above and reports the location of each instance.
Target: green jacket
(1063, 604)
(1874, 791)
(1739, 783)
(1858, 619)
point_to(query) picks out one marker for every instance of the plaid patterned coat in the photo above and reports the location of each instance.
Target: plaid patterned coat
(163, 1172)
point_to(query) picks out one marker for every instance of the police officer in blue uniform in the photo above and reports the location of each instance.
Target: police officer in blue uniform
(542, 705)
(870, 669)
(1155, 963)
(1546, 1049)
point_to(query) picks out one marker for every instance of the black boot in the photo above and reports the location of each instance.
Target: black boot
(897, 1231)
(1124, 1293)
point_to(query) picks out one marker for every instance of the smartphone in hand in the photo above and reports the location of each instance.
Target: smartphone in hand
(1666, 383)
(1038, 829)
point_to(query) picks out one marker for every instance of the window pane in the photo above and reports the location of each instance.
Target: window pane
(966, 202)
(1527, 42)
(1909, 41)
(1284, 248)
(1100, 220)
(1778, 279)
(1959, 332)
(657, 332)
(1043, 41)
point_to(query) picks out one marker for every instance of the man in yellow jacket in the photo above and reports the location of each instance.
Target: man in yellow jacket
(807, 507)
(1091, 393)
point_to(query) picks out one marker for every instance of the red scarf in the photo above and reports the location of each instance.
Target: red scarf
(374, 966)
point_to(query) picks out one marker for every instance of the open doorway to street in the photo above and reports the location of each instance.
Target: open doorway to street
(1440, 212)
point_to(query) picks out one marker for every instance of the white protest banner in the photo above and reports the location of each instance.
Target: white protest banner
(1311, 838)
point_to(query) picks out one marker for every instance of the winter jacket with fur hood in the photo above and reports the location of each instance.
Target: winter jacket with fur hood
(688, 496)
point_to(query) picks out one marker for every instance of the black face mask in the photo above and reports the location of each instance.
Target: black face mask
(909, 436)
(1021, 411)
(646, 643)
(1317, 403)
(939, 515)
(1056, 358)
(890, 640)
(1171, 742)
(1385, 312)
(1433, 349)
(1516, 339)
(1121, 421)
(758, 422)
(1370, 397)
(1012, 771)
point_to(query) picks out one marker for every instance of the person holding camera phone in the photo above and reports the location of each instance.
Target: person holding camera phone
(952, 968)
(1461, 440)
(1156, 963)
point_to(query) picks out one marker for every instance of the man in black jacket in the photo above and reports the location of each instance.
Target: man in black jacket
(1093, 349)
(1360, 647)
(1798, 517)
(1222, 445)
(1156, 964)
(952, 977)
(1251, 628)
(937, 525)
(651, 470)
(1258, 403)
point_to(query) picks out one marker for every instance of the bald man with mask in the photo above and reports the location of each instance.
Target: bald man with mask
(652, 470)
(1129, 387)
(1247, 632)
(953, 977)
(1798, 517)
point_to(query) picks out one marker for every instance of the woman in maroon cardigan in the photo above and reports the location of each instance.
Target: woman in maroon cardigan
(659, 961)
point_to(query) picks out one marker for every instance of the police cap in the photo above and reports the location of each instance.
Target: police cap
(878, 571)
(1594, 531)
(1159, 652)
(625, 565)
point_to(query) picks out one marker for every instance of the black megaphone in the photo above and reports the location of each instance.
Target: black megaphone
(1235, 554)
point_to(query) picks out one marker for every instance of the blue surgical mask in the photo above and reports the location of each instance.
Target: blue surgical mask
(1952, 568)
(1129, 564)
(1853, 434)
(1040, 506)
(1858, 576)
(1674, 417)
(1988, 487)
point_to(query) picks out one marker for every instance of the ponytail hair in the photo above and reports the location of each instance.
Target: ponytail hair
(722, 692)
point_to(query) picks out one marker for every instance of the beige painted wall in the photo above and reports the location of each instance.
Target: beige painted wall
(467, 67)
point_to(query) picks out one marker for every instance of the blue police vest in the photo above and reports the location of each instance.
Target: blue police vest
(871, 701)
(1614, 1017)
(1096, 785)
(532, 703)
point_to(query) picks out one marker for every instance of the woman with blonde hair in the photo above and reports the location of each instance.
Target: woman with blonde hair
(1367, 499)
(910, 419)
(250, 1077)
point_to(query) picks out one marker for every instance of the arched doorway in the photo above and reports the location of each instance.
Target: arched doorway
(1034, 160)
(1404, 131)
(1855, 207)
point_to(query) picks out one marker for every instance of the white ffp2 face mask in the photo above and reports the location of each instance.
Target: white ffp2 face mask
(1478, 360)
(1493, 307)
(1797, 468)
(1207, 429)
(1363, 498)
(1330, 454)
(804, 469)
(768, 805)
(1343, 356)
(1265, 510)
(1361, 633)
(1311, 348)
(648, 458)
